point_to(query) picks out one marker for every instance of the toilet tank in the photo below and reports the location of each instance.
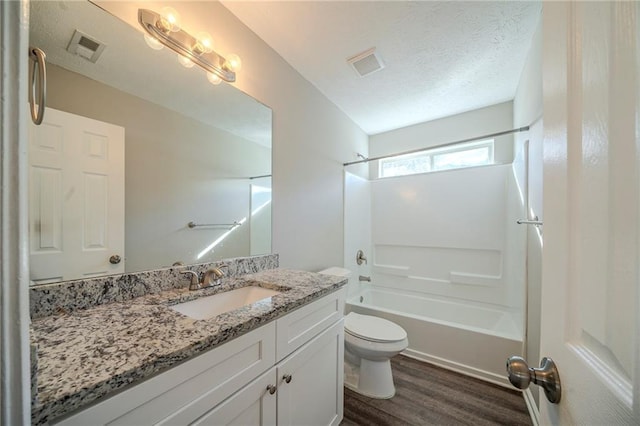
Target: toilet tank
(342, 272)
(336, 271)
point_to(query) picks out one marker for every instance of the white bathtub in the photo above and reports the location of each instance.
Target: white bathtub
(470, 339)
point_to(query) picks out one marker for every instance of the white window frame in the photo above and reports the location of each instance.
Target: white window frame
(431, 153)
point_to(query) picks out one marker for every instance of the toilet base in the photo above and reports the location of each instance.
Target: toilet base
(368, 355)
(371, 378)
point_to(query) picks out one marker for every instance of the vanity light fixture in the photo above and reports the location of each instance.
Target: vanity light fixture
(164, 29)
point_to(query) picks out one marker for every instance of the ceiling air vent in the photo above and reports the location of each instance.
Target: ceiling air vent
(85, 46)
(366, 62)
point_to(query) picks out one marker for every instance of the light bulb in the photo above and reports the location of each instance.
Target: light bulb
(204, 43)
(185, 62)
(153, 42)
(170, 19)
(233, 62)
(213, 78)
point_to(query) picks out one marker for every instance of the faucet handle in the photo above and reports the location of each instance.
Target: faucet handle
(194, 282)
(360, 257)
(212, 276)
(220, 271)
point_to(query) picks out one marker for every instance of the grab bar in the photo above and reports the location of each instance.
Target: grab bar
(219, 225)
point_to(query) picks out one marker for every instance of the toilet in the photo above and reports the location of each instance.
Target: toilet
(370, 343)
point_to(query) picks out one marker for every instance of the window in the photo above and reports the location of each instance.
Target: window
(470, 154)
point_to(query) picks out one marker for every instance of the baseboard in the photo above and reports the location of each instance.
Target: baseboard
(459, 368)
(534, 412)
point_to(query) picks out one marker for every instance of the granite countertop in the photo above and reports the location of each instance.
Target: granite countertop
(90, 353)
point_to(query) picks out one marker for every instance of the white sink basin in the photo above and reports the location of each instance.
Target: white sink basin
(210, 306)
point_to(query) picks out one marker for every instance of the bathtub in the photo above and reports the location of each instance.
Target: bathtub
(473, 340)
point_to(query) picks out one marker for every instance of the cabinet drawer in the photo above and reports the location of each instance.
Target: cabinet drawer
(186, 392)
(300, 326)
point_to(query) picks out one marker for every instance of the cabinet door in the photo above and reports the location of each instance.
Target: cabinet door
(314, 396)
(251, 405)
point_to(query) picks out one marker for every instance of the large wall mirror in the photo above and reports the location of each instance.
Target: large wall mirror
(135, 147)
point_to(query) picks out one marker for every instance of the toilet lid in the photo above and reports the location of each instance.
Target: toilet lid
(373, 328)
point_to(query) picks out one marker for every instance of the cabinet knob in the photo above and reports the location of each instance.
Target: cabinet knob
(115, 259)
(287, 378)
(272, 389)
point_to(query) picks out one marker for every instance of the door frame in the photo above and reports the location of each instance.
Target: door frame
(15, 365)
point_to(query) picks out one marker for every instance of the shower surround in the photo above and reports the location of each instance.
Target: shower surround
(446, 263)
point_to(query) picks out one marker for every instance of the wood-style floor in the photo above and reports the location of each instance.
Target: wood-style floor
(430, 395)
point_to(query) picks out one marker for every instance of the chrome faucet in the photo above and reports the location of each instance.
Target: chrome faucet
(212, 277)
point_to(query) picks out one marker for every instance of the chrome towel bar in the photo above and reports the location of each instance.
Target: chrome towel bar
(529, 222)
(215, 225)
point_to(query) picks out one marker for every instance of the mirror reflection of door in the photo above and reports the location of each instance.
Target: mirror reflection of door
(76, 198)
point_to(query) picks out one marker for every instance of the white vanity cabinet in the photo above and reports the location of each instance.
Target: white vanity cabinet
(308, 391)
(232, 384)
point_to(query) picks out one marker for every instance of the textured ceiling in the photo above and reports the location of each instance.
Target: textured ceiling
(441, 58)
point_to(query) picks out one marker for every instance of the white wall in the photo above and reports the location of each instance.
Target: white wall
(492, 119)
(311, 136)
(527, 108)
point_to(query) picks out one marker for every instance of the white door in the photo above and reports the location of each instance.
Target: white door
(76, 197)
(590, 294)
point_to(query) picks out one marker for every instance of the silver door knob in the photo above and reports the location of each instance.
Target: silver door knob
(115, 259)
(287, 378)
(272, 389)
(520, 375)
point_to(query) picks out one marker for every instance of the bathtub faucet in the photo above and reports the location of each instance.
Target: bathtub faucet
(363, 278)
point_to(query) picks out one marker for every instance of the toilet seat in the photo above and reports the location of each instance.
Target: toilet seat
(373, 329)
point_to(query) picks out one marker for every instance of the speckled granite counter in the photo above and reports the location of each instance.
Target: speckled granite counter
(90, 353)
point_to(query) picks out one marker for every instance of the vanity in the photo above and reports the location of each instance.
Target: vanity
(276, 361)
